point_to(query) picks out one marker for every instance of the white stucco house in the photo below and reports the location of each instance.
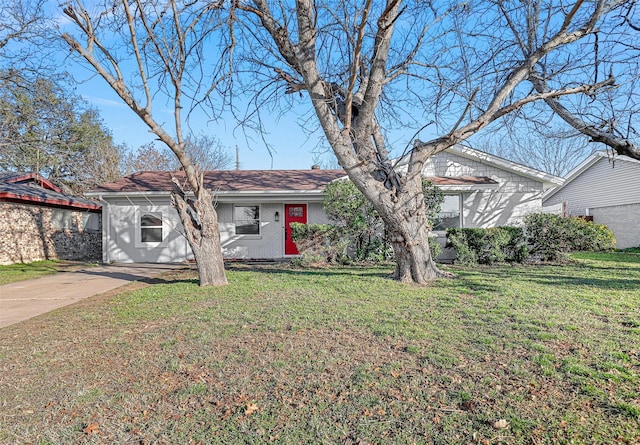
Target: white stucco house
(606, 188)
(255, 207)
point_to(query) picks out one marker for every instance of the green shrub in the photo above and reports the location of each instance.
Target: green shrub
(487, 246)
(552, 237)
(360, 224)
(319, 243)
(516, 249)
(434, 247)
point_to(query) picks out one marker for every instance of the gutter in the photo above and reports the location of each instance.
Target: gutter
(106, 229)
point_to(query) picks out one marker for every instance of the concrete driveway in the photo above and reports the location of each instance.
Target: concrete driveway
(25, 299)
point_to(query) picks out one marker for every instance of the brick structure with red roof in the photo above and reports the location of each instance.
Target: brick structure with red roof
(39, 221)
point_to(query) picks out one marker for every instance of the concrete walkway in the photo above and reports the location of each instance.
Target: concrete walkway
(25, 299)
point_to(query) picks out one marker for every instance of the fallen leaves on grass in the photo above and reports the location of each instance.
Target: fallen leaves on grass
(251, 408)
(91, 428)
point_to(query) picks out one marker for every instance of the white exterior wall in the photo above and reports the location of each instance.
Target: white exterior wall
(265, 245)
(514, 197)
(622, 220)
(602, 184)
(122, 242)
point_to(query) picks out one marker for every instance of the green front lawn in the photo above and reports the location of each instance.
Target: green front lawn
(524, 354)
(26, 271)
(21, 271)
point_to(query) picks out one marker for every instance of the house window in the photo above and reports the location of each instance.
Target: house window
(247, 220)
(296, 212)
(91, 222)
(61, 219)
(449, 213)
(151, 227)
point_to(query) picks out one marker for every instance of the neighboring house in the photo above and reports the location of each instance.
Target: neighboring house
(38, 221)
(255, 207)
(606, 188)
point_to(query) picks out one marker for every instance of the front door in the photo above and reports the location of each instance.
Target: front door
(292, 213)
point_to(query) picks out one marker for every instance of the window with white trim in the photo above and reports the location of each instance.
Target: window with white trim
(91, 222)
(247, 220)
(61, 219)
(151, 227)
(449, 216)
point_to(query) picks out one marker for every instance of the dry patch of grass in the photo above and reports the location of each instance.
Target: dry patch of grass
(524, 355)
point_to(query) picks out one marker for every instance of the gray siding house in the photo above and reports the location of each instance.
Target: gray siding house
(255, 207)
(606, 188)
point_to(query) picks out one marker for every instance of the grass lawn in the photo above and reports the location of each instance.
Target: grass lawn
(22, 271)
(512, 355)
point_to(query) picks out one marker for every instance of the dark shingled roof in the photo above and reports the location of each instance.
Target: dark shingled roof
(31, 188)
(255, 181)
(228, 181)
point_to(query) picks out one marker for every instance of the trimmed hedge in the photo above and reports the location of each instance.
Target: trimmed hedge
(319, 243)
(552, 237)
(544, 236)
(488, 246)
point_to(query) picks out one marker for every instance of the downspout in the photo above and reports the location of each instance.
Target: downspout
(106, 229)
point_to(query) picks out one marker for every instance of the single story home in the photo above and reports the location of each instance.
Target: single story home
(255, 207)
(39, 221)
(605, 188)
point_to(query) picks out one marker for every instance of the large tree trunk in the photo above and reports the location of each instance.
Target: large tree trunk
(200, 221)
(409, 237)
(407, 229)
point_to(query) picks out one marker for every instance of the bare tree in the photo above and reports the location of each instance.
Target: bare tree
(148, 157)
(150, 50)
(455, 67)
(549, 149)
(207, 152)
(19, 22)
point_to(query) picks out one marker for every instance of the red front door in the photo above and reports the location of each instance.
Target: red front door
(292, 213)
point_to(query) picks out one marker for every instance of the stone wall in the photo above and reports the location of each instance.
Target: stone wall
(33, 233)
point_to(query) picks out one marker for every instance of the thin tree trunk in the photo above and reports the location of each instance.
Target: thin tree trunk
(200, 221)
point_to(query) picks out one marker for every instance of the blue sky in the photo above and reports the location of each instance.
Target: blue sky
(292, 147)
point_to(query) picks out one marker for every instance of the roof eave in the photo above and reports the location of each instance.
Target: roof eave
(467, 187)
(505, 164)
(13, 197)
(218, 194)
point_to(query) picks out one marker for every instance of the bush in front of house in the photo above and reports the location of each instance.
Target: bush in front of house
(488, 246)
(319, 243)
(552, 237)
(361, 226)
(544, 236)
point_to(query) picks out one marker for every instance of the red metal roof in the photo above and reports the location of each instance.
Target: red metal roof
(32, 188)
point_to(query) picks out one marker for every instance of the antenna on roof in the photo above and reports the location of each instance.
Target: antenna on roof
(237, 158)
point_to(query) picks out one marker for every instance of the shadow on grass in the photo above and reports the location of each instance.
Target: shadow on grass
(608, 283)
(550, 277)
(354, 271)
